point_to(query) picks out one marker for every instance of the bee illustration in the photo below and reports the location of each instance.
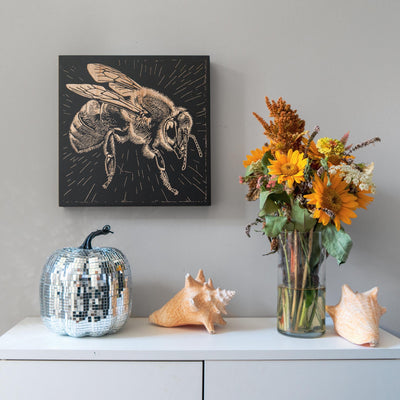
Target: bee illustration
(127, 112)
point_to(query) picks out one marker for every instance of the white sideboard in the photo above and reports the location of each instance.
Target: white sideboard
(245, 360)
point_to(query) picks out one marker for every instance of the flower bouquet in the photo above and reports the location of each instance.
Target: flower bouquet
(306, 189)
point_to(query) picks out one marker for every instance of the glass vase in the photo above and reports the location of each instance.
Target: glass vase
(301, 284)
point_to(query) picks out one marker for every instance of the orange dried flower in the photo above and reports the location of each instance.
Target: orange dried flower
(287, 129)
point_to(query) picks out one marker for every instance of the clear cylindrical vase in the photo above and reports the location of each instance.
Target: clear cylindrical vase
(301, 284)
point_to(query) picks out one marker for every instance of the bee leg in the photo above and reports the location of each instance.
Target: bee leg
(161, 167)
(184, 161)
(110, 160)
(165, 179)
(185, 151)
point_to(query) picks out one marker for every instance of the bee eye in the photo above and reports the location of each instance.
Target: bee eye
(170, 130)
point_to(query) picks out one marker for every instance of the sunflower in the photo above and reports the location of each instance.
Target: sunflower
(332, 201)
(362, 199)
(288, 167)
(255, 156)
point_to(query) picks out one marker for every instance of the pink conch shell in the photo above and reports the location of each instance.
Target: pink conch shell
(356, 317)
(198, 303)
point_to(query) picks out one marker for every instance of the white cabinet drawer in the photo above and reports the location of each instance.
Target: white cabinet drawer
(45, 380)
(246, 360)
(325, 379)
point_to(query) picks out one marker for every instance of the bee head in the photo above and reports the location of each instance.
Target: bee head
(176, 132)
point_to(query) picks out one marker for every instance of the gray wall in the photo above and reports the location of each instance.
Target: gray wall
(337, 62)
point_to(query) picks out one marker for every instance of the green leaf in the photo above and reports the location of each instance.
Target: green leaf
(337, 243)
(263, 198)
(289, 227)
(280, 197)
(316, 255)
(249, 170)
(324, 163)
(269, 201)
(272, 195)
(310, 297)
(325, 166)
(301, 218)
(265, 161)
(274, 225)
(269, 208)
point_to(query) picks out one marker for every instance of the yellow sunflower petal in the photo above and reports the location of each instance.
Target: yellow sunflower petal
(280, 179)
(318, 184)
(302, 163)
(335, 199)
(288, 167)
(363, 200)
(255, 155)
(345, 219)
(280, 156)
(311, 197)
(324, 218)
(298, 178)
(294, 157)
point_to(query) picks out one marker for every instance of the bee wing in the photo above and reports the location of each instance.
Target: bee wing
(100, 93)
(121, 89)
(104, 74)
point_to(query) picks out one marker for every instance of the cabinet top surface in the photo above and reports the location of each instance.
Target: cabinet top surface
(240, 339)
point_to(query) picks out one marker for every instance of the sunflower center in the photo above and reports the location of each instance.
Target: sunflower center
(331, 200)
(289, 169)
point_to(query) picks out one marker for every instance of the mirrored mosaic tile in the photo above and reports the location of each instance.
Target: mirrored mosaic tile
(85, 292)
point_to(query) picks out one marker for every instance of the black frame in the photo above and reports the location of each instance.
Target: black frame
(185, 80)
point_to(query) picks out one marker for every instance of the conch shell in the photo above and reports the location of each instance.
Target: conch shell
(356, 317)
(198, 303)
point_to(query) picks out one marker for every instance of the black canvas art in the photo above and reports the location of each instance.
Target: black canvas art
(134, 130)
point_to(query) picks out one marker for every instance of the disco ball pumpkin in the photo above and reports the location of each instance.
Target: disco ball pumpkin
(86, 291)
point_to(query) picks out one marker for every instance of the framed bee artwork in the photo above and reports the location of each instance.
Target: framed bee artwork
(134, 131)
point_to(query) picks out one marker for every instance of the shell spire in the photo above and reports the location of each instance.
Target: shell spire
(190, 282)
(356, 317)
(200, 276)
(198, 303)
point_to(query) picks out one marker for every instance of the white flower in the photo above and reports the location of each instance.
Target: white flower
(361, 177)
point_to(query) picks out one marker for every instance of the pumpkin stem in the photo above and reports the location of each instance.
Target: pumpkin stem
(87, 244)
